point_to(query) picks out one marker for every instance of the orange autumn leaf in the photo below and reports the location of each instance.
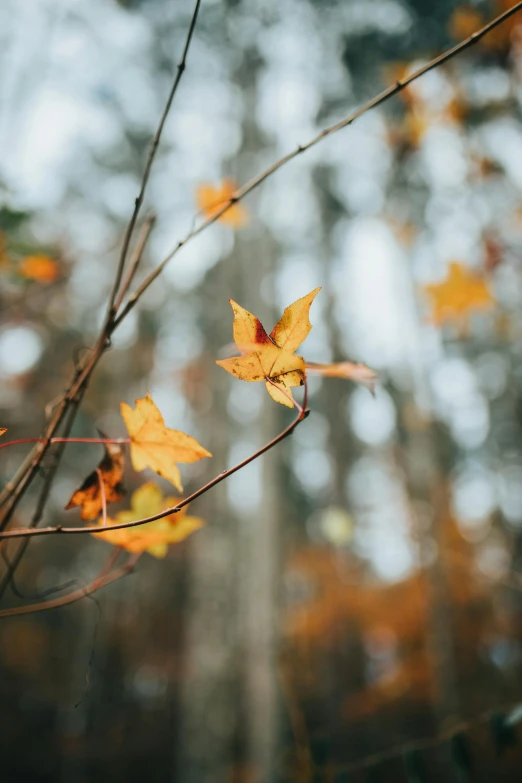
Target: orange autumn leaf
(211, 200)
(90, 495)
(3, 430)
(353, 371)
(459, 294)
(271, 358)
(41, 268)
(152, 537)
(4, 258)
(155, 446)
(464, 21)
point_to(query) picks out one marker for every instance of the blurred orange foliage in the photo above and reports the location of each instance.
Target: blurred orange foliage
(211, 200)
(41, 268)
(459, 294)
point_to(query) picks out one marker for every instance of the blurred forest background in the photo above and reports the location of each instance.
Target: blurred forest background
(358, 587)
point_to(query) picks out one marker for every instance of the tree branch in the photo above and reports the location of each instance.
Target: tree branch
(331, 129)
(148, 166)
(101, 581)
(44, 531)
(15, 489)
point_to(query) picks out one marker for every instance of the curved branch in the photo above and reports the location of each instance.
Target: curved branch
(45, 531)
(15, 488)
(328, 131)
(148, 166)
(101, 581)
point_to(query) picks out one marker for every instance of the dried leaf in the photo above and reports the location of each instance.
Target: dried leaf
(41, 268)
(155, 446)
(153, 537)
(360, 373)
(110, 471)
(271, 358)
(211, 200)
(294, 325)
(458, 295)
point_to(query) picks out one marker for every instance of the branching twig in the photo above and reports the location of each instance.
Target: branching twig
(135, 262)
(371, 104)
(15, 489)
(148, 166)
(101, 581)
(43, 531)
(51, 441)
(42, 500)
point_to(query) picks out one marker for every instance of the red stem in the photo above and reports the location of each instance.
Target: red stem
(50, 441)
(43, 531)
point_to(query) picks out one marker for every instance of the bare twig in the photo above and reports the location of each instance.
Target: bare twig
(148, 166)
(51, 441)
(135, 262)
(15, 489)
(42, 500)
(371, 104)
(510, 711)
(101, 581)
(43, 531)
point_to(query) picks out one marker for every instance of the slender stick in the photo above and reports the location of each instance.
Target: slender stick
(136, 260)
(380, 98)
(50, 441)
(43, 531)
(42, 500)
(150, 160)
(28, 469)
(101, 581)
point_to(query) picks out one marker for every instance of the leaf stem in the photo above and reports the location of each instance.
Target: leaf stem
(44, 531)
(377, 100)
(50, 441)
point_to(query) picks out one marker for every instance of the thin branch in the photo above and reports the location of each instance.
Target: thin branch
(42, 499)
(135, 262)
(380, 98)
(28, 469)
(64, 600)
(512, 709)
(50, 441)
(43, 531)
(150, 160)
(35, 596)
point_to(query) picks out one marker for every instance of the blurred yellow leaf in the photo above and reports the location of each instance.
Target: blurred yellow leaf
(152, 537)
(2, 430)
(212, 199)
(155, 446)
(41, 268)
(458, 295)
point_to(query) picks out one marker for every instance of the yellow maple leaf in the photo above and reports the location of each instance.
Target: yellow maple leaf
(155, 446)
(459, 294)
(271, 358)
(41, 268)
(211, 200)
(109, 473)
(152, 537)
